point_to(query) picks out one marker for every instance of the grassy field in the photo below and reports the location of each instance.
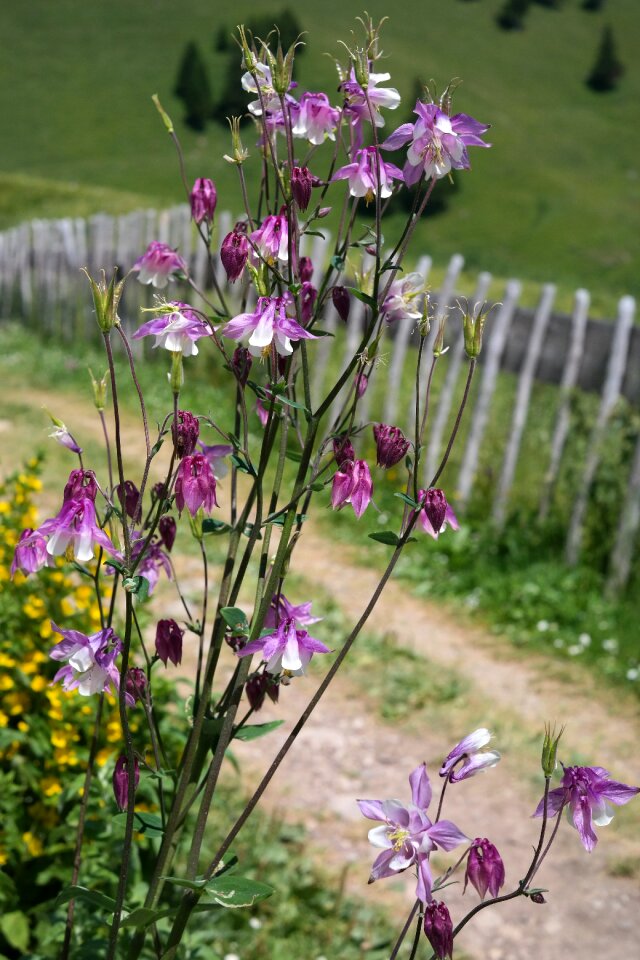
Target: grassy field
(553, 200)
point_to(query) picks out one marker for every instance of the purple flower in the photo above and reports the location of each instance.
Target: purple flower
(258, 686)
(404, 299)
(121, 780)
(216, 454)
(408, 836)
(472, 761)
(159, 264)
(436, 513)
(169, 641)
(153, 562)
(203, 200)
(316, 119)
(264, 85)
(588, 793)
(75, 528)
(341, 301)
(186, 430)
(391, 444)
(343, 450)
(485, 869)
(129, 500)
(63, 436)
(30, 554)
(263, 413)
(308, 297)
(272, 238)
(352, 484)
(90, 666)
(81, 483)
(176, 330)
(301, 184)
(283, 609)
(195, 485)
(438, 142)
(269, 322)
(305, 270)
(362, 175)
(439, 928)
(356, 106)
(287, 649)
(136, 683)
(233, 254)
(167, 531)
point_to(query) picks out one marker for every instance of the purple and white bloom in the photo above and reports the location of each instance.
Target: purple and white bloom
(176, 330)
(75, 528)
(438, 928)
(352, 484)
(154, 561)
(272, 238)
(30, 554)
(268, 99)
(408, 836)
(436, 514)
(63, 436)
(195, 485)
(467, 752)
(362, 174)
(159, 264)
(391, 444)
(404, 299)
(216, 454)
(356, 106)
(268, 323)
(90, 666)
(438, 142)
(234, 252)
(316, 119)
(288, 649)
(203, 199)
(283, 609)
(81, 483)
(588, 793)
(120, 780)
(485, 869)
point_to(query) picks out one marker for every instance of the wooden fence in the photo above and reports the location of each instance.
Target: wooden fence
(41, 285)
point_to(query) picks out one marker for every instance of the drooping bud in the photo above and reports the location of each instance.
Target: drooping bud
(308, 297)
(343, 450)
(106, 297)
(81, 483)
(129, 500)
(473, 328)
(301, 184)
(241, 364)
(157, 491)
(121, 781)
(435, 507)
(549, 759)
(342, 302)
(99, 390)
(259, 686)
(167, 531)
(63, 435)
(537, 897)
(233, 254)
(136, 683)
(391, 444)
(361, 382)
(169, 641)
(305, 269)
(186, 431)
(485, 869)
(203, 198)
(439, 928)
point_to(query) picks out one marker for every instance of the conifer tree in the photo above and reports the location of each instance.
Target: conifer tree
(592, 5)
(512, 15)
(607, 69)
(192, 86)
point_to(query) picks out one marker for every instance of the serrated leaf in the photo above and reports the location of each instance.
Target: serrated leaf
(412, 503)
(235, 618)
(363, 297)
(235, 892)
(386, 536)
(93, 897)
(257, 730)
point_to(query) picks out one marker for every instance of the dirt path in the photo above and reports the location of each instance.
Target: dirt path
(346, 751)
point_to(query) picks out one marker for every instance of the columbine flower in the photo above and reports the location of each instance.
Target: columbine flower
(305, 269)
(177, 330)
(153, 562)
(120, 780)
(391, 444)
(233, 254)
(436, 513)
(356, 105)
(30, 554)
(316, 119)
(343, 450)
(63, 436)
(90, 666)
(195, 485)
(169, 641)
(352, 484)
(81, 483)
(259, 686)
(129, 498)
(268, 322)
(216, 454)
(438, 142)
(186, 430)
(408, 836)
(75, 528)
(159, 264)
(341, 301)
(203, 199)
(283, 609)
(270, 99)
(272, 238)
(439, 929)
(301, 184)
(362, 174)
(485, 869)
(167, 530)
(287, 649)
(404, 299)
(472, 761)
(308, 297)
(588, 793)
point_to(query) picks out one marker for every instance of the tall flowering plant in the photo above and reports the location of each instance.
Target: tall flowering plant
(115, 526)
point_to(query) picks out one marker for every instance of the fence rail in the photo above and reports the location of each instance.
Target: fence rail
(40, 283)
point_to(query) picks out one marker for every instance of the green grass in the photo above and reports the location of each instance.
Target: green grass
(555, 199)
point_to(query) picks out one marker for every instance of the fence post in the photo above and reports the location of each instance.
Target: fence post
(622, 553)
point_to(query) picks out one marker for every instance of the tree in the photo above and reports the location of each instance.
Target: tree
(512, 14)
(192, 87)
(592, 5)
(607, 69)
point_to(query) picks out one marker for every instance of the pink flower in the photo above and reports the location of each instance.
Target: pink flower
(30, 554)
(288, 649)
(485, 869)
(391, 444)
(75, 528)
(362, 175)
(270, 99)
(436, 513)
(352, 484)
(90, 666)
(176, 330)
(404, 299)
(159, 264)
(120, 780)
(195, 485)
(466, 753)
(272, 238)
(316, 119)
(283, 609)
(356, 105)
(233, 254)
(269, 322)
(169, 642)
(203, 199)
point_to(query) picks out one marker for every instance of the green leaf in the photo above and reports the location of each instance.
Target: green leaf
(116, 564)
(363, 297)
(412, 503)
(337, 262)
(15, 928)
(147, 823)
(242, 465)
(143, 916)
(314, 233)
(257, 730)
(293, 403)
(317, 486)
(215, 526)
(235, 618)
(386, 536)
(156, 447)
(294, 455)
(233, 892)
(94, 897)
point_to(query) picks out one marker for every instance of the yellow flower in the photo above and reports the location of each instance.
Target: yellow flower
(57, 576)
(10, 537)
(32, 843)
(67, 607)
(7, 661)
(58, 739)
(103, 756)
(114, 731)
(45, 629)
(4, 572)
(4, 719)
(66, 758)
(6, 682)
(19, 578)
(17, 703)
(86, 710)
(34, 608)
(5, 506)
(39, 657)
(23, 727)
(3, 856)
(51, 786)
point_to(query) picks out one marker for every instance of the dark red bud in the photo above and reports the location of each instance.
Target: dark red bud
(130, 500)
(167, 530)
(305, 269)
(233, 254)
(186, 431)
(121, 781)
(435, 507)
(342, 302)
(169, 641)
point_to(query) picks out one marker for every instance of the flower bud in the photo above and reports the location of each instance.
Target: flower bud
(343, 450)
(435, 507)
(308, 297)
(157, 491)
(438, 344)
(240, 152)
(341, 302)
(305, 269)
(129, 500)
(176, 376)
(259, 686)
(136, 683)
(186, 431)
(485, 869)
(537, 897)
(106, 298)
(549, 759)
(203, 198)
(167, 531)
(233, 254)
(241, 364)
(169, 641)
(473, 328)
(439, 929)
(121, 780)
(99, 390)
(361, 382)
(81, 483)
(301, 186)
(391, 444)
